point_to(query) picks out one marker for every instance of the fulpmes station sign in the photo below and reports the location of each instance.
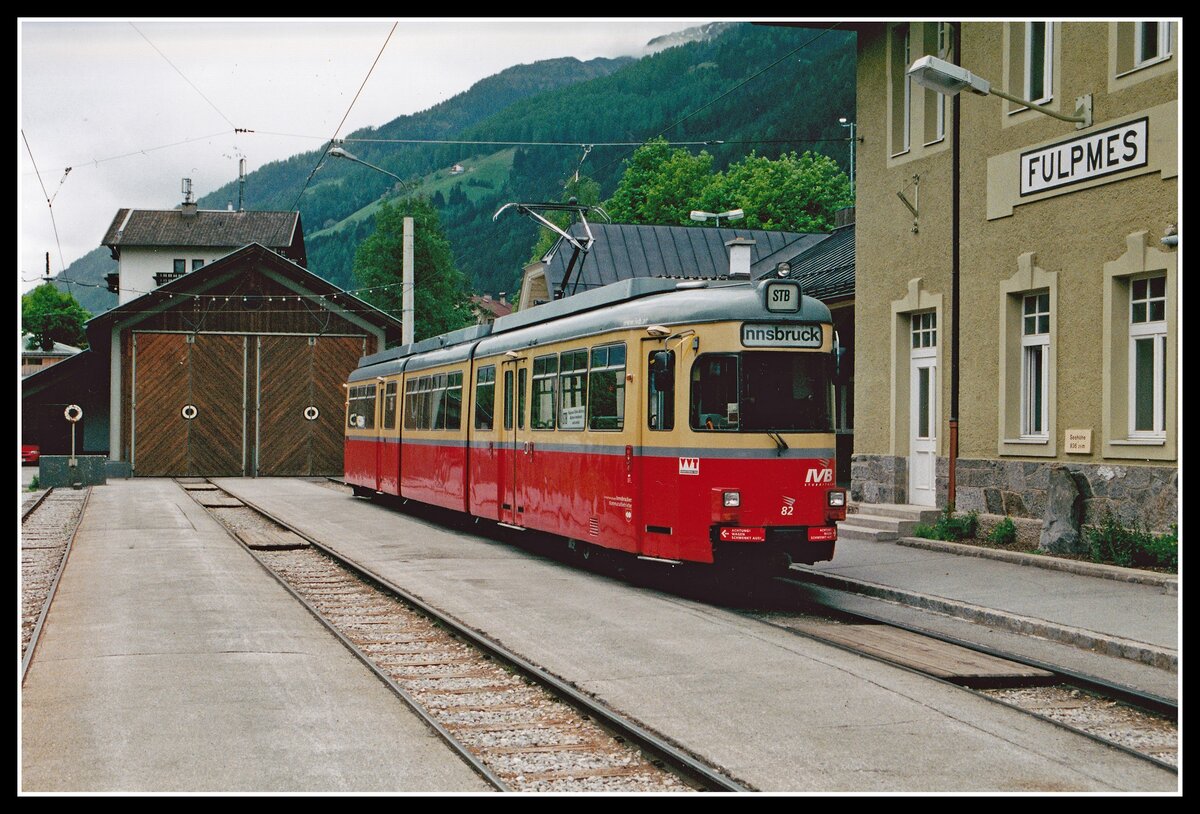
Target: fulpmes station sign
(1111, 150)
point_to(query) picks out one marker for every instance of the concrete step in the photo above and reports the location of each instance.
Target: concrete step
(915, 514)
(848, 531)
(873, 521)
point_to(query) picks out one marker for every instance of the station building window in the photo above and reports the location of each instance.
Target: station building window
(1031, 57)
(1028, 368)
(1147, 356)
(1140, 352)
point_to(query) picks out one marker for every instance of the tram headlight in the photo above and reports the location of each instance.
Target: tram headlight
(731, 499)
(837, 498)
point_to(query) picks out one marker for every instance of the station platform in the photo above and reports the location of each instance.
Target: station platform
(171, 662)
(779, 712)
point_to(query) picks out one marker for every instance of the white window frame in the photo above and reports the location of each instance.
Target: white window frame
(906, 113)
(1035, 382)
(1140, 331)
(1046, 92)
(1163, 40)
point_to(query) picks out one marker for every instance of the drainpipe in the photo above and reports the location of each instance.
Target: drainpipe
(955, 234)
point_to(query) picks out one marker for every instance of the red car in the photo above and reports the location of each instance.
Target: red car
(30, 453)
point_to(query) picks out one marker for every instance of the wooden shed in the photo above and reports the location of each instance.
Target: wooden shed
(233, 369)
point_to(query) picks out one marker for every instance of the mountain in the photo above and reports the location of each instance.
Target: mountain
(736, 88)
(697, 34)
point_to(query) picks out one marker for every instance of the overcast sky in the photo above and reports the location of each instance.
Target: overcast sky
(133, 106)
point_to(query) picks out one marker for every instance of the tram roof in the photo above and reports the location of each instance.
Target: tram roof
(635, 303)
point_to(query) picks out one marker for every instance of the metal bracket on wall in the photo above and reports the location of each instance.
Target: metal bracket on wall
(913, 204)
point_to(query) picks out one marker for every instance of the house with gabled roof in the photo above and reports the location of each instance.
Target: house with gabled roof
(154, 246)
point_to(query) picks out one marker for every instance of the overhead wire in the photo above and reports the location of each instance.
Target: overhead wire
(184, 76)
(49, 200)
(325, 150)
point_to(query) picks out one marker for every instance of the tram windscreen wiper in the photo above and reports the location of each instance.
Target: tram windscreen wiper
(780, 444)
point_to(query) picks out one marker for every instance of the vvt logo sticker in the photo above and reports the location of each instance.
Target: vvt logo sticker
(689, 466)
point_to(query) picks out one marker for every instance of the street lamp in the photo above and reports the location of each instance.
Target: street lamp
(844, 123)
(732, 214)
(949, 79)
(406, 282)
(339, 152)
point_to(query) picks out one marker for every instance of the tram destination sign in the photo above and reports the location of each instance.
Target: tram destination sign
(1095, 155)
(781, 335)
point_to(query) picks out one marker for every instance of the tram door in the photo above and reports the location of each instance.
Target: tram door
(516, 452)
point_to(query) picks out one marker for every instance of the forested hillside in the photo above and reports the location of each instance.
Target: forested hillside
(727, 91)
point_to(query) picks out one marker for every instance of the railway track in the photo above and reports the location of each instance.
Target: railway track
(48, 526)
(519, 727)
(1136, 722)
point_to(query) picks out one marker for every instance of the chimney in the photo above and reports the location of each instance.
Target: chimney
(739, 258)
(843, 217)
(503, 301)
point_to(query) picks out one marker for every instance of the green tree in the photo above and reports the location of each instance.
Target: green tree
(50, 316)
(794, 193)
(440, 299)
(662, 185)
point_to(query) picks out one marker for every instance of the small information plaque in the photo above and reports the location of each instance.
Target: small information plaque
(1079, 442)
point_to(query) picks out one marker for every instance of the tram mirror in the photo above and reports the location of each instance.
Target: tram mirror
(662, 365)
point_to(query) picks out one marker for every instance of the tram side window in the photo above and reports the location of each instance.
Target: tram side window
(660, 412)
(453, 401)
(389, 406)
(545, 375)
(522, 380)
(606, 404)
(485, 397)
(572, 388)
(435, 419)
(410, 404)
(508, 399)
(361, 412)
(715, 404)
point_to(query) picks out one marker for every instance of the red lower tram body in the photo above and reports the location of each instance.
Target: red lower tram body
(696, 508)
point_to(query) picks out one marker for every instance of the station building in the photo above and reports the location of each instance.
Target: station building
(1017, 276)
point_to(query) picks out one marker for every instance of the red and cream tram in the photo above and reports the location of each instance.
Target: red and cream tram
(682, 421)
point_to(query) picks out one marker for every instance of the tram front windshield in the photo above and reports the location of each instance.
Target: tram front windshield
(762, 391)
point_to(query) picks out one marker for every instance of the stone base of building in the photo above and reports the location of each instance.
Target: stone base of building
(1144, 495)
(884, 479)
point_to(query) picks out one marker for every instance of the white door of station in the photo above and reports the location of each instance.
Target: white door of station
(923, 411)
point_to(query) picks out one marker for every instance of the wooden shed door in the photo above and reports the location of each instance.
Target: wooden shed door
(300, 405)
(189, 400)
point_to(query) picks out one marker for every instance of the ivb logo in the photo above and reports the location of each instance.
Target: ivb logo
(819, 475)
(689, 466)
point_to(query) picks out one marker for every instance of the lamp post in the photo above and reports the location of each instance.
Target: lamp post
(732, 214)
(406, 284)
(949, 79)
(845, 123)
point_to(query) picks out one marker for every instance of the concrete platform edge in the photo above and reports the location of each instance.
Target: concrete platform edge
(1161, 658)
(1168, 582)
